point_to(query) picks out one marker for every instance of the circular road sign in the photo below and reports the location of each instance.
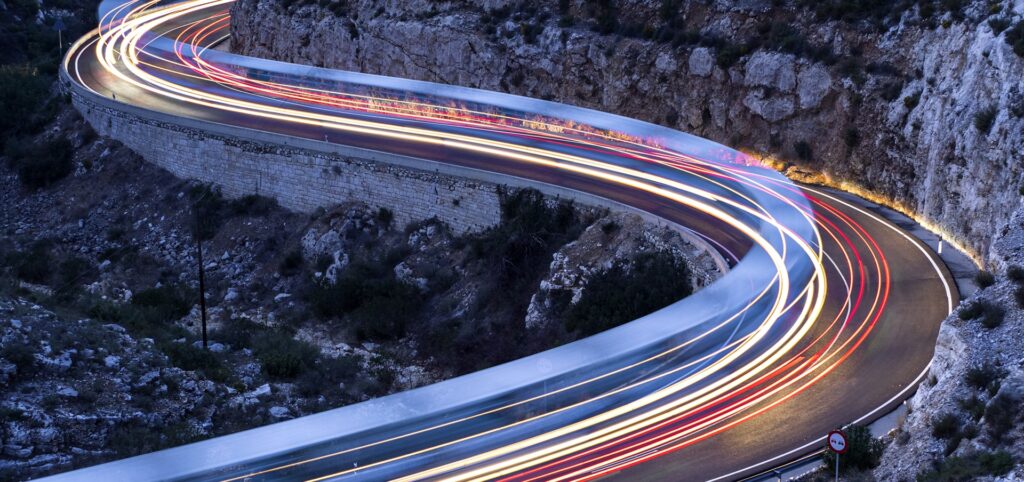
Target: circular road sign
(837, 441)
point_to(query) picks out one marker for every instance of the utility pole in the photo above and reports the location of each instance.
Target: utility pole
(58, 25)
(202, 278)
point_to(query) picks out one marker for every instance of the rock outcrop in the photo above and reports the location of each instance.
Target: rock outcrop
(923, 114)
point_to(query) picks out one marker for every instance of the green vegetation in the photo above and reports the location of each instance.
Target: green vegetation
(863, 453)
(212, 210)
(291, 264)
(990, 315)
(851, 137)
(282, 356)
(1015, 38)
(968, 467)
(984, 376)
(367, 292)
(627, 291)
(974, 406)
(946, 425)
(985, 118)
(23, 88)
(881, 13)
(803, 150)
(40, 164)
(1000, 414)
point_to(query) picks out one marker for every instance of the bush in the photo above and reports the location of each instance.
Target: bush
(968, 467)
(1014, 38)
(989, 315)
(911, 101)
(972, 310)
(282, 356)
(984, 376)
(993, 316)
(946, 426)
(252, 205)
(208, 211)
(22, 90)
(973, 405)
(237, 332)
(1018, 294)
(998, 24)
(1015, 273)
(851, 137)
(863, 451)
(192, 358)
(42, 164)
(984, 278)
(291, 264)
(803, 150)
(985, 118)
(1000, 415)
(379, 304)
(33, 266)
(728, 55)
(626, 292)
(166, 303)
(22, 356)
(385, 217)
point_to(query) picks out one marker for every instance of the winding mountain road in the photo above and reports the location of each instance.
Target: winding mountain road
(828, 315)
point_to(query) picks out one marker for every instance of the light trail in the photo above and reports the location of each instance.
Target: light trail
(603, 419)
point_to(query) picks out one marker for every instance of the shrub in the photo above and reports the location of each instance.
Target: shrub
(520, 248)
(379, 304)
(1000, 415)
(946, 426)
(803, 150)
(74, 272)
(22, 356)
(626, 292)
(291, 264)
(252, 205)
(192, 358)
(385, 217)
(972, 310)
(985, 118)
(1015, 273)
(237, 332)
(208, 210)
(282, 356)
(165, 303)
(22, 90)
(35, 265)
(968, 467)
(998, 24)
(728, 55)
(984, 278)
(1018, 294)
(863, 451)
(1015, 38)
(993, 316)
(984, 376)
(42, 164)
(851, 137)
(911, 101)
(973, 405)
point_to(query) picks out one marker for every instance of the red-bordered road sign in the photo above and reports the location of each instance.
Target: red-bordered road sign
(837, 441)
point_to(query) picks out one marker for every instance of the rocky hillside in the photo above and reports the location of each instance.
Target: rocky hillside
(917, 104)
(100, 342)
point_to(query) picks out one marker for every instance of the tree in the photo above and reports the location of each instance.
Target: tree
(864, 451)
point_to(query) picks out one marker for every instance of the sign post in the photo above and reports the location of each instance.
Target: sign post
(836, 442)
(58, 25)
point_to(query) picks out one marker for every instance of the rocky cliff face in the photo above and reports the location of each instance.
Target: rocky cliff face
(920, 110)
